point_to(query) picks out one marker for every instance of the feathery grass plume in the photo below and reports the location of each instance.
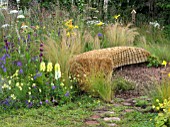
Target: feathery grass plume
(100, 85)
(161, 51)
(118, 35)
(63, 51)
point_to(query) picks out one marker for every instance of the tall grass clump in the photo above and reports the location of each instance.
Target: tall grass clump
(63, 51)
(161, 51)
(100, 85)
(118, 35)
(161, 90)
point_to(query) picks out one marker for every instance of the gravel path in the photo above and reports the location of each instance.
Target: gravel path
(141, 75)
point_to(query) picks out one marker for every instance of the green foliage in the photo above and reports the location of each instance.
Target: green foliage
(153, 61)
(163, 117)
(100, 85)
(121, 85)
(161, 51)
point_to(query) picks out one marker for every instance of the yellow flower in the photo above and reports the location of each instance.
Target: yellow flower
(168, 109)
(157, 100)
(9, 82)
(153, 106)
(17, 84)
(71, 87)
(69, 22)
(161, 105)
(29, 93)
(168, 74)
(40, 90)
(9, 88)
(49, 67)
(20, 87)
(116, 16)
(100, 24)
(164, 63)
(68, 34)
(13, 96)
(157, 108)
(62, 84)
(21, 84)
(76, 27)
(37, 27)
(33, 85)
(57, 67)
(42, 66)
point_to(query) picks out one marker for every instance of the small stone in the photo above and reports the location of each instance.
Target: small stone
(129, 110)
(111, 118)
(112, 125)
(92, 122)
(127, 104)
(95, 117)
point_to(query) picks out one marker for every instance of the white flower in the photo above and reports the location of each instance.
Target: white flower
(57, 75)
(5, 25)
(13, 12)
(18, 1)
(13, 96)
(20, 17)
(24, 26)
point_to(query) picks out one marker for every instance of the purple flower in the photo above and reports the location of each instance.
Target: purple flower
(41, 49)
(30, 105)
(21, 71)
(67, 94)
(4, 69)
(40, 102)
(41, 55)
(53, 87)
(19, 63)
(29, 36)
(37, 75)
(100, 34)
(41, 45)
(46, 101)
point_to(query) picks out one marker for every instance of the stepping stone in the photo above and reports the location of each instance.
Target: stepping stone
(95, 117)
(129, 110)
(92, 122)
(112, 125)
(127, 104)
(111, 118)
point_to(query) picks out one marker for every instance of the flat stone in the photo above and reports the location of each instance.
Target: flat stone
(129, 110)
(117, 105)
(111, 118)
(91, 122)
(112, 125)
(127, 104)
(110, 112)
(95, 117)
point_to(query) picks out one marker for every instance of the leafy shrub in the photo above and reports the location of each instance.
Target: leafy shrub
(153, 61)
(122, 85)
